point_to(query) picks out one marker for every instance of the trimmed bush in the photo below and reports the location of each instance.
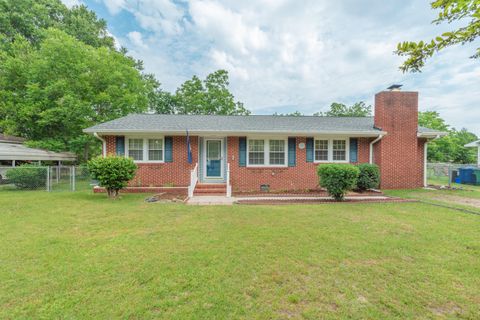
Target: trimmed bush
(112, 173)
(369, 177)
(28, 176)
(338, 179)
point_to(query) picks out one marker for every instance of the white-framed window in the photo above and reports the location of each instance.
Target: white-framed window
(331, 150)
(135, 149)
(142, 149)
(155, 149)
(339, 150)
(267, 152)
(277, 152)
(321, 150)
(256, 152)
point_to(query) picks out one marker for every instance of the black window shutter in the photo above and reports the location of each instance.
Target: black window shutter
(120, 145)
(309, 149)
(168, 149)
(292, 152)
(353, 150)
(242, 151)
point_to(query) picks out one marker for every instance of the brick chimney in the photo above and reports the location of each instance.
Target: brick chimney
(400, 153)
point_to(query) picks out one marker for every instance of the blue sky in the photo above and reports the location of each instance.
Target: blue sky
(287, 55)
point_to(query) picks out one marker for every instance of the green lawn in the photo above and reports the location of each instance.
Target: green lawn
(79, 255)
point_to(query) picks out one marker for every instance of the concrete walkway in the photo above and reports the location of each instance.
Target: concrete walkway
(223, 200)
(211, 200)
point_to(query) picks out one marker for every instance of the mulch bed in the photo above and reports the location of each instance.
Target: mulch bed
(312, 201)
(166, 197)
(304, 193)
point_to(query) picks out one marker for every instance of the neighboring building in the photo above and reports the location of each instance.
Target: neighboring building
(475, 144)
(247, 153)
(13, 153)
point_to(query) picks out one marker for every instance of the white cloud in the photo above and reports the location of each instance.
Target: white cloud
(285, 55)
(136, 39)
(71, 3)
(115, 6)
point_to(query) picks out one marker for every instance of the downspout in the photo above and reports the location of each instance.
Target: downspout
(104, 144)
(371, 147)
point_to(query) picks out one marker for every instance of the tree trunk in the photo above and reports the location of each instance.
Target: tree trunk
(112, 193)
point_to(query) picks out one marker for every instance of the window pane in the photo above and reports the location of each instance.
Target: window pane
(321, 150)
(256, 145)
(277, 152)
(213, 149)
(135, 149)
(256, 152)
(256, 158)
(339, 150)
(277, 158)
(155, 155)
(155, 149)
(155, 144)
(277, 146)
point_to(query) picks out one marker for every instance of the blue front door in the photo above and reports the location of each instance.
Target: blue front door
(214, 158)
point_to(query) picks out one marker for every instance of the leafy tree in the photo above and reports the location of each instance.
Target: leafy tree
(450, 11)
(113, 173)
(291, 114)
(432, 120)
(50, 94)
(359, 109)
(450, 147)
(30, 18)
(194, 96)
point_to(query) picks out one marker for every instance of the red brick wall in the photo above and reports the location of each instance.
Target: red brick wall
(176, 173)
(302, 176)
(400, 153)
(110, 142)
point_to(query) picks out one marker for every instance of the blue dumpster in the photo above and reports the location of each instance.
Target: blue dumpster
(466, 175)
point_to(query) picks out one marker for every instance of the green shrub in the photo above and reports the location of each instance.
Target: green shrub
(338, 179)
(369, 177)
(112, 173)
(28, 176)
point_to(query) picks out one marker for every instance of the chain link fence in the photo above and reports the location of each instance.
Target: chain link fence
(444, 173)
(46, 178)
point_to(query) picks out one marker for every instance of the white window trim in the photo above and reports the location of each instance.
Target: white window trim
(330, 150)
(266, 152)
(145, 149)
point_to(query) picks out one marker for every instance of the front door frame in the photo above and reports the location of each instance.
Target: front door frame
(222, 158)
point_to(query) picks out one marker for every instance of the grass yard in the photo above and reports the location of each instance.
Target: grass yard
(79, 255)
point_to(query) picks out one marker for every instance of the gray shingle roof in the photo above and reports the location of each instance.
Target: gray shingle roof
(428, 130)
(240, 124)
(252, 123)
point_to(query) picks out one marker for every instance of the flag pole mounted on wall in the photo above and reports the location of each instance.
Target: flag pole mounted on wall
(189, 149)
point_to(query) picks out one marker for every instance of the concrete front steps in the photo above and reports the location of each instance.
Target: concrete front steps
(210, 189)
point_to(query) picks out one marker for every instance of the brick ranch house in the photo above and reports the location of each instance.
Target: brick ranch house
(251, 153)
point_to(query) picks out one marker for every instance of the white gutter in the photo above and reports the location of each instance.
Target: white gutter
(371, 147)
(238, 133)
(104, 144)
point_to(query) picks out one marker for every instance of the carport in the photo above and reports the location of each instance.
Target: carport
(13, 153)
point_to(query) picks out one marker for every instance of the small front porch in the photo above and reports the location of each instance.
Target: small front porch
(211, 175)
